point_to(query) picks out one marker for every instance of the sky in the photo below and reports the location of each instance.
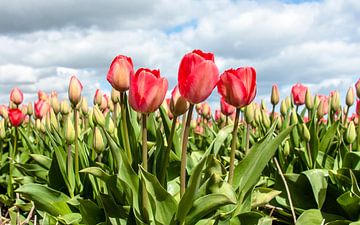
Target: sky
(43, 43)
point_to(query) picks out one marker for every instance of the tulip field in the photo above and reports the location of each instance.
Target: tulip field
(137, 157)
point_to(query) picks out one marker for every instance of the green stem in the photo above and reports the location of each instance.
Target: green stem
(76, 143)
(12, 154)
(184, 151)
(346, 115)
(124, 124)
(286, 188)
(167, 153)
(233, 146)
(311, 165)
(144, 164)
(272, 114)
(247, 138)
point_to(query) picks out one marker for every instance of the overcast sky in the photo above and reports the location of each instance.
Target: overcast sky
(42, 43)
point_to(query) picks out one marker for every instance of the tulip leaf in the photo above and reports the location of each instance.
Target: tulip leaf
(316, 217)
(328, 137)
(91, 213)
(318, 182)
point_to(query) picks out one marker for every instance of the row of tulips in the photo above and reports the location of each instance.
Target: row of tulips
(129, 159)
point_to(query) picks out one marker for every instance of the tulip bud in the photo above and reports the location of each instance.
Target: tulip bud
(64, 107)
(335, 101)
(350, 97)
(69, 131)
(205, 109)
(283, 107)
(316, 101)
(357, 87)
(286, 148)
(115, 96)
(98, 117)
(198, 108)
(55, 104)
(16, 117)
(275, 95)
(257, 116)
(90, 118)
(75, 88)
(178, 104)
(38, 124)
(110, 105)
(305, 132)
(119, 73)
(294, 117)
(53, 120)
(351, 133)
(110, 125)
(265, 119)
(309, 101)
(249, 113)
(2, 129)
(98, 97)
(263, 105)
(84, 106)
(16, 96)
(320, 109)
(279, 122)
(104, 102)
(24, 109)
(30, 109)
(98, 141)
(193, 124)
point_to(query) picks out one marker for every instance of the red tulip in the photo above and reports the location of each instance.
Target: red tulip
(197, 76)
(41, 108)
(358, 107)
(147, 90)
(238, 87)
(357, 87)
(16, 96)
(226, 108)
(16, 117)
(119, 73)
(298, 92)
(75, 88)
(98, 97)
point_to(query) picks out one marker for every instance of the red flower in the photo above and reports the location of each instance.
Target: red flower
(16, 117)
(358, 107)
(226, 108)
(41, 108)
(147, 90)
(197, 76)
(119, 73)
(298, 92)
(238, 87)
(16, 96)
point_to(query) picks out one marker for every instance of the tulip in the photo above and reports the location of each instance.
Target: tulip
(298, 92)
(218, 116)
(309, 101)
(16, 96)
(98, 97)
(147, 90)
(115, 95)
(16, 117)
(357, 87)
(121, 69)
(42, 95)
(75, 88)
(249, 113)
(238, 87)
(275, 95)
(350, 133)
(358, 107)
(325, 103)
(98, 141)
(335, 100)
(226, 108)
(104, 102)
(178, 104)
(41, 108)
(206, 110)
(64, 107)
(197, 76)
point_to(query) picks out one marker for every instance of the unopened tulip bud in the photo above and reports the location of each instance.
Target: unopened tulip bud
(305, 132)
(288, 102)
(193, 124)
(110, 126)
(104, 102)
(75, 88)
(263, 105)
(38, 124)
(30, 109)
(24, 109)
(257, 116)
(283, 107)
(55, 104)
(286, 148)
(335, 101)
(98, 141)
(98, 97)
(357, 87)
(351, 133)
(316, 101)
(205, 109)
(279, 122)
(249, 113)
(309, 100)
(64, 107)
(98, 117)
(90, 118)
(275, 96)
(16, 96)
(265, 119)
(53, 120)
(69, 131)
(111, 106)
(320, 109)
(350, 97)
(178, 104)
(2, 129)
(115, 96)
(84, 106)
(294, 117)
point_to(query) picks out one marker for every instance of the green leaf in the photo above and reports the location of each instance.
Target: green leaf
(328, 137)
(316, 217)
(254, 218)
(97, 172)
(44, 161)
(352, 160)
(221, 137)
(71, 218)
(350, 204)
(206, 204)
(46, 199)
(318, 182)
(248, 171)
(91, 213)
(262, 196)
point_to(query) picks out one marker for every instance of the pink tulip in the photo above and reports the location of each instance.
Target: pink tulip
(298, 92)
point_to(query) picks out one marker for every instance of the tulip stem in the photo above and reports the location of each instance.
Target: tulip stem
(12, 153)
(76, 144)
(273, 114)
(124, 126)
(144, 164)
(233, 146)
(247, 138)
(167, 153)
(286, 188)
(346, 115)
(184, 151)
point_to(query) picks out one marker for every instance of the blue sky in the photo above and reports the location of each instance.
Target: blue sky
(42, 43)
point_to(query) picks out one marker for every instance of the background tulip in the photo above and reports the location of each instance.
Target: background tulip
(41, 108)
(75, 88)
(16, 117)
(197, 76)
(298, 92)
(178, 104)
(238, 87)
(119, 73)
(226, 108)
(275, 95)
(147, 90)
(16, 96)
